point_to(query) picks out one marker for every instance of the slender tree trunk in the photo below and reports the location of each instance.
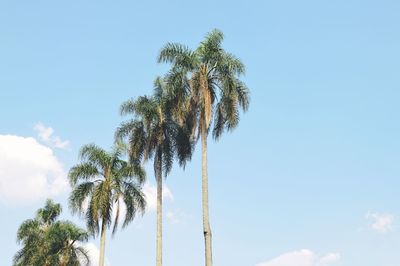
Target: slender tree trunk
(206, 218)
(102, 243)
(159, 211)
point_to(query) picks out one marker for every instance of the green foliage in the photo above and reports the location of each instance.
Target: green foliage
(46, 241)
(153, 132)
(205, 82)
(103, 181)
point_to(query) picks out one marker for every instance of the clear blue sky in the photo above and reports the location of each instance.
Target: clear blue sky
(314, 164)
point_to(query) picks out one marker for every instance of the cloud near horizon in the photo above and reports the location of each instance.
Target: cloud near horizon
(302, 257)
(29, 171)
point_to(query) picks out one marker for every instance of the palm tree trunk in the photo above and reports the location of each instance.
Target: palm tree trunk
(102, 242)
(159, 211)
(206, 218)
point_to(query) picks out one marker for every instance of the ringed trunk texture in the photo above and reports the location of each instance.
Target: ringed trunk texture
(206, 217)
(159, 214)
(102, 243)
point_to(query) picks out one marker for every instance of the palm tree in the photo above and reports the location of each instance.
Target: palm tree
(153, 134)
(49, 242)
(209, 94)
(101, 182)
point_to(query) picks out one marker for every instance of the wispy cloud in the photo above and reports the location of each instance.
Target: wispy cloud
(302, 257)
(46, 134)
(380, 222)
(150, 192)
(177, 217)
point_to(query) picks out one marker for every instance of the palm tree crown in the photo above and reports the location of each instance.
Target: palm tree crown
(206, 84)
(47, 241)
(153, 131)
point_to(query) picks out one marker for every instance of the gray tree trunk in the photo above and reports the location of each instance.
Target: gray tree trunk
(206, 217)
(102, 243)
(159, 212)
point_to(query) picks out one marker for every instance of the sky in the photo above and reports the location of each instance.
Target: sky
(310, 177)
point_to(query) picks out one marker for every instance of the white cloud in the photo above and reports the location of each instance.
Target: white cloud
(380, 222)
(151, 195)
(302, 257)
(45, 134)
(28, 170)
(94, 254)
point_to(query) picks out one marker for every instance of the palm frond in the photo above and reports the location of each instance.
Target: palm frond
(134, 201)
(95, 155)
(210, 50)
(117, 212)
(82, 172)
(50, 212)
(78, 196)
(179, 55)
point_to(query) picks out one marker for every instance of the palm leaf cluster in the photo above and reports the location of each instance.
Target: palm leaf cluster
(50, 242)
(152, 132)
(103, 182)
(205, 82)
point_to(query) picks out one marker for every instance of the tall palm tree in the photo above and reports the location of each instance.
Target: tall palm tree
(209, 95)
(152, 133)
(102, 182)
(49, 242)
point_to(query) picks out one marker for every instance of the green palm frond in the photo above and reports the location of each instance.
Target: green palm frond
(95, 155)
(81, 256)
(92, 217)
(83, 171)
(50, 212)
(98, 183)
(210, 51)
(134, 201)
(79, 195)
(179, 55)
(49, 241)
(177, 90)
(168, 152)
